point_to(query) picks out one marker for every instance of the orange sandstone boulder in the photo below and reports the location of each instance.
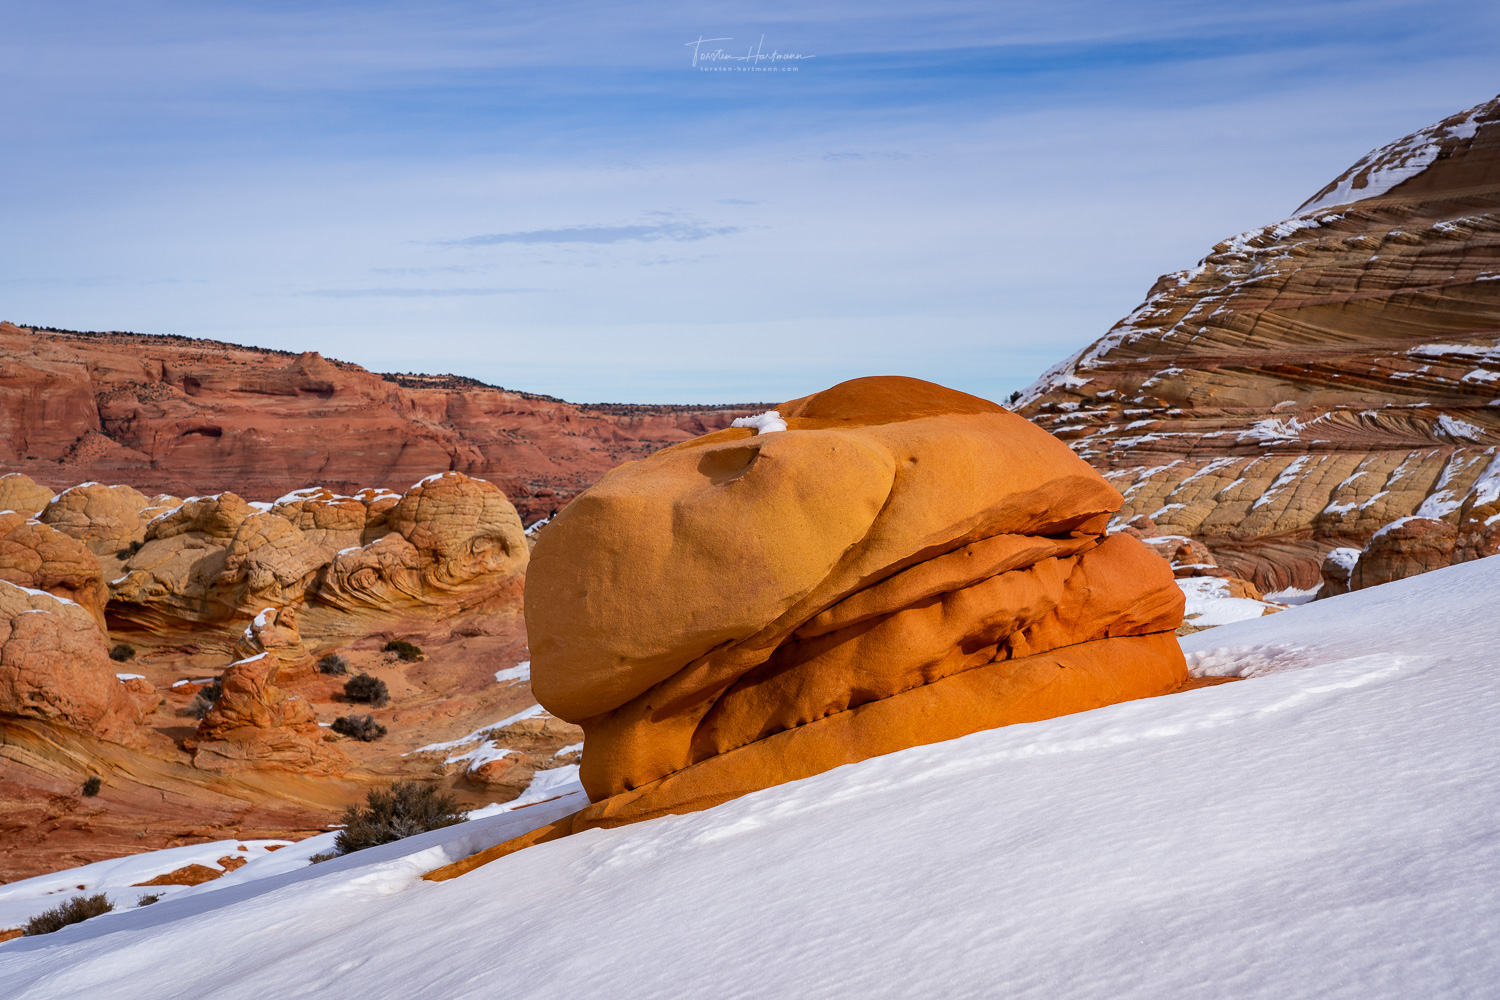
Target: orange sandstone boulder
(1405, 547)
(22, 494)
(257, 724)
(54, 667)
(106, 519)
(447, 539)
(903, 564)
(36, 555)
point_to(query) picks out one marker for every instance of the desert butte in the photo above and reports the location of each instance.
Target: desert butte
(1327, 826)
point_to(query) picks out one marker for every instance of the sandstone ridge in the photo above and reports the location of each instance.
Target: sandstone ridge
(1320, 384)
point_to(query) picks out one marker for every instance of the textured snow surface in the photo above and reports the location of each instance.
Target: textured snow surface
(1209, 603)
(117, 878)
(1328, 827)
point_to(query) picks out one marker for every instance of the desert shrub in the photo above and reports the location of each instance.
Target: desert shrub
(364, 688)
(322, 856)
(75, 910)
(404, 809)
(122, 652)
(333, 663)
(92, 786)
(204, 699)
(129, 550)
(148, 900)
(408, 652)
(362, 727)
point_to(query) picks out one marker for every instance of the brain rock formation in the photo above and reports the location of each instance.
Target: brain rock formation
(904, 564)
(1316, 380)
(38, 556)
(54, 667)
(448, 541)
(21, 494)
(104, 518)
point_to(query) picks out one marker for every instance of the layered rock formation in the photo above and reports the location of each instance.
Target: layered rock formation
(54, 667)
(448, 541)
(255, 722)
(511, 755)
(1315, 380)
(109, 520)
(904, 564)
(36, 555)
(274, 631)
(180, 416)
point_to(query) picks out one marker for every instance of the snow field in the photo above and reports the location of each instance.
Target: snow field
(1328, 827)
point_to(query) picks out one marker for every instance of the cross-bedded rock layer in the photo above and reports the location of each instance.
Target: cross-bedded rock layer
(1315, 381)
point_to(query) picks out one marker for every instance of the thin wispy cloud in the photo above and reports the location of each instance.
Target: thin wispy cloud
(411, 271)
(876, 155)
(961, 190)
(410, 293)
(677, 232)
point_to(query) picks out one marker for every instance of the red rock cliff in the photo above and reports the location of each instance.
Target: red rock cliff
(181, 416)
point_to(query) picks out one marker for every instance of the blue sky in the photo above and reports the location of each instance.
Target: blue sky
(552, 197)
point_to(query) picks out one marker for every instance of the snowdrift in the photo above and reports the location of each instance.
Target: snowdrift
(1328, 827)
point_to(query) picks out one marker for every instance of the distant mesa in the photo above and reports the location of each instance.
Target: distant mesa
(904, 564)
(1317, 402)
(182, 416)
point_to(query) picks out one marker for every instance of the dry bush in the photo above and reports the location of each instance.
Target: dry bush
(406, 808)
(75, 910)
(364, 688)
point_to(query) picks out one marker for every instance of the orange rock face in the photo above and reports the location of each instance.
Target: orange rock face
(22, 494)
(38, 556)
(448, 541)
(192, 417)
(904, 564)
(105, 518)
(54, 667)
(1312, 381)
(256, 723)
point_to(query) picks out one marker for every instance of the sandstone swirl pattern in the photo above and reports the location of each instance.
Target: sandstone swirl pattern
(1317, 381)
(448, 542)
(904, 564)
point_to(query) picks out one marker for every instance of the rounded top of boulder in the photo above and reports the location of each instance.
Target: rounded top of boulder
(21, 493)
(743, 535)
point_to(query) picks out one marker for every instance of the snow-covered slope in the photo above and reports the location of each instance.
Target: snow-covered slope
(1329, 827)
